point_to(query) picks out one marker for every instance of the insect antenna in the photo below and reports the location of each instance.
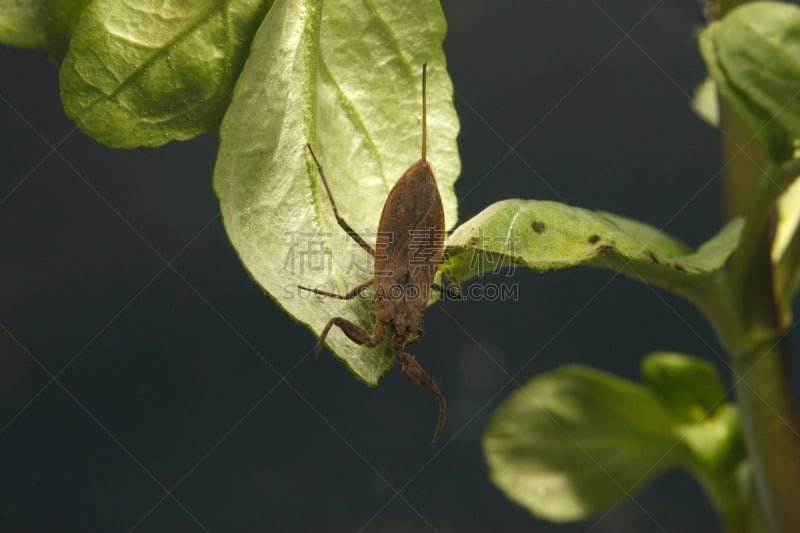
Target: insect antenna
(424, 109)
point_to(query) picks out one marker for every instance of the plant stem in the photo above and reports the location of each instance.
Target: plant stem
(728, 500)
(759, 353)
(760, 358)
(771, 432)
(744, 161)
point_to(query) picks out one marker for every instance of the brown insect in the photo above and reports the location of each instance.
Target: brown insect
(407, 252)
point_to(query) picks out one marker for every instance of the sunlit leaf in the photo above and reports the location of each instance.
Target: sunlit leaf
(573, 442)
(788, 220)
(786, 247)
(705, 102)
(547, 235)
(345, 77)
(148, 72)
(692, 391)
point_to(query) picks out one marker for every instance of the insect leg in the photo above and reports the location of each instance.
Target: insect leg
(349, 296)
(342, 223)
(355, 333)
(417, 336)
(420, 378)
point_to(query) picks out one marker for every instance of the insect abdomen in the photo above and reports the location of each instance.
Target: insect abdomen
(409, 248)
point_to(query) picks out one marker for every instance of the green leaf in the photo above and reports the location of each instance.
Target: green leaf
(63, 17)
(788, 220)
(712, 254)
(23, 22)
(786, 249)
(573, 442)
(689, 386)
(663, 243)
(716, 441)
(754, 56)
(692, 390)
(148, 72)
(705, 102)
(346, 78)
(547, 235)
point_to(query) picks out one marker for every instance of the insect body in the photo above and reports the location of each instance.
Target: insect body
(407, 252)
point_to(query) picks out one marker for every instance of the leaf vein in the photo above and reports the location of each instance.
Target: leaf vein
(201, 19)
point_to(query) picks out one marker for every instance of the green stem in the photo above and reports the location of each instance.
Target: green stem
(759, 357)
(771, 432)
(725, 493)
(743, 162)
(751, 267)
(758, 351)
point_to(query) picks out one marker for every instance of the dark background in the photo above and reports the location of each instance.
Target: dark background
(166, 411)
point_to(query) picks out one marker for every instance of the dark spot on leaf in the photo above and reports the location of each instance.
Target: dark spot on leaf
(538, 226)
(473, 240)
(679, 268)
(653, 259)
(603, 249)
(594, 239)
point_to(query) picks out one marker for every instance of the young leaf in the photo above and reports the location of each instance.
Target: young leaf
(786, 248)
(754, 56)
(788, 221)
(692, 390)
(148, 72)
(689, 386)
(573, 442)
(345, 77)
(23, 22)
(705, 102)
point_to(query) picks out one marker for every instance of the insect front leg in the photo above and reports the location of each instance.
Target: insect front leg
(417, 335)
(349, 296)
(355, 333)
(414, 371)
(342, 223)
